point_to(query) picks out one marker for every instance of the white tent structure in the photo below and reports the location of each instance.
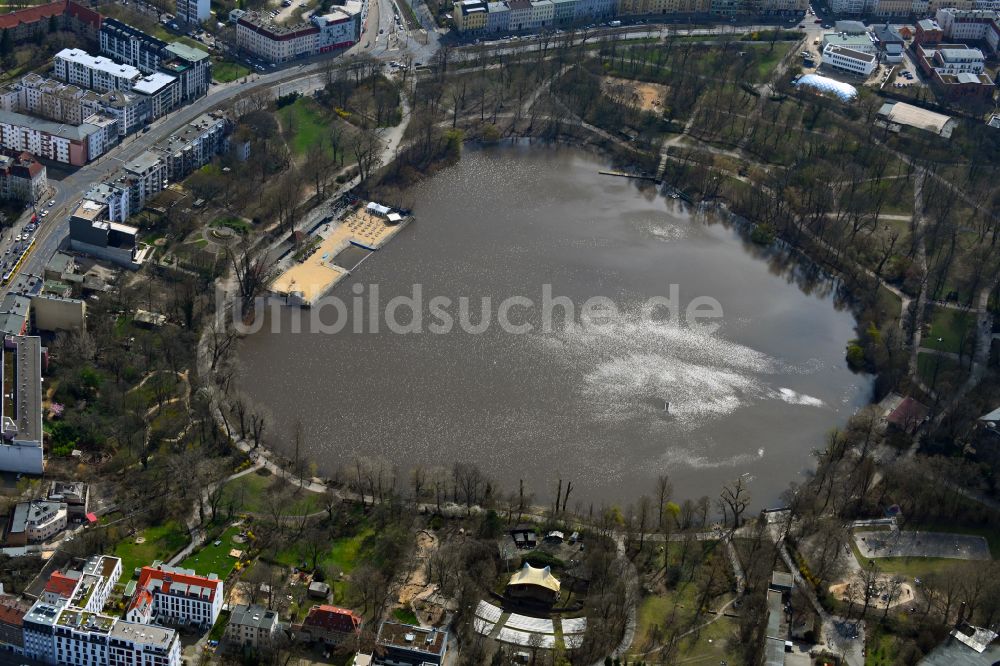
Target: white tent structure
(845, 92)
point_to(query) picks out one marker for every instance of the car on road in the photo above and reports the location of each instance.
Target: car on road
(52, 203)
(818, 21)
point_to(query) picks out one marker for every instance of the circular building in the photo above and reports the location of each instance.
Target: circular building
(533, 586)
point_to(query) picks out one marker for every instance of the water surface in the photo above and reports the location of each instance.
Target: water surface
(753, 398)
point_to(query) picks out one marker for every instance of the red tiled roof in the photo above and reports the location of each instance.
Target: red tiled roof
(142, 598)
(168, 578)
(908, 414)
(332, 618)
(61, 584)
(12, 611)
(32, 14)
(84, 14)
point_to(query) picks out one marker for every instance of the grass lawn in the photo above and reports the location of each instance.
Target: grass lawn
(343, 554)
(215, 559)
(257, 491)
(947, 329)
(934, 368)
(882, 649)
(305, 124)
(406, 616)
(705, 646)
(766, 60)
(225, 71)
(161, 541)
(234, 223)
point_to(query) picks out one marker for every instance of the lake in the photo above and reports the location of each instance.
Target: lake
(609, 403)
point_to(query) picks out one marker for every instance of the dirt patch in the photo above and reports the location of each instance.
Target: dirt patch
(416, 581)
(844, 592)
(644, 96)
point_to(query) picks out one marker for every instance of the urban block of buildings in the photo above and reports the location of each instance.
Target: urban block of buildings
(23, 359)
(337, 29)
(955, 70)
(70, 144)
(97, 226)
(66, 625)
(33, 23)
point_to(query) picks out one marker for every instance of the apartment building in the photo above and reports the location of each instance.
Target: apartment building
(35, 521)
(193, 12)
(853, 7)
(520, 15)
(171, 595)
(330, 625)
(67, 103)
(252, 627)
(970, 25)
(276, 43)
(96, 73)
(74, 637)
(192, 67)
(91, 233)
(340, 27)
(33, 23)
(470, 15)
(124, 43)
(498, 19)
(408, 645)
(23, 360)
(161, 92)
(66, 627)
(956, 71)
(12, 612)
(22, 177)
(194, 145)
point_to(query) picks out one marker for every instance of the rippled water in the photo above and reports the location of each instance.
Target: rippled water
(755, 397)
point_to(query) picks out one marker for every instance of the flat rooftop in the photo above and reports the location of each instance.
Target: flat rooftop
(409, 637)
(81, 57)
(152, 84)
(26, 356)
(62, 130)
(146, 634)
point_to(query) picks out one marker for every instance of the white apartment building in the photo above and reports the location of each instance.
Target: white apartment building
(543, 13)
(853, 7)
(276, 43)
(64, 102)
(959, 60)
(848, 60)
(965, 24)
(66, 628)
(170, 595)
(339, 28)
(74, 637)
(193, 12)
(96, 73)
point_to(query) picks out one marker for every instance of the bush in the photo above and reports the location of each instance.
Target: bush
(538, 559)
